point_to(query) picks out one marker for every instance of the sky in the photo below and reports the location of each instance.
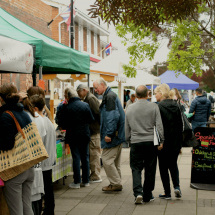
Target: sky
(160, 56)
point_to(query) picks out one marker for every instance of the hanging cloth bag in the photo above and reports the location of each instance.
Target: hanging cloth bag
(28, 150)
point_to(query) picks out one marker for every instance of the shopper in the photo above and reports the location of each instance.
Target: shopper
(76, 118)
(95, 145)
(112, 133)
(143, 153)
(17, 190)
(202, 108)
(38, 186)
(130, 101)
(49, 141)
(169, 150)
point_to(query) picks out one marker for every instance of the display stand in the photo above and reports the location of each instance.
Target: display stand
(203, 160)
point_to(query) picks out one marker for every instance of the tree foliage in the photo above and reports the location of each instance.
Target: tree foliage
(147, 12)
(191, 41)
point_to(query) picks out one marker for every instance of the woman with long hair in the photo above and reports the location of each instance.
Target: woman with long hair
(39, 91)
(17, 190)
(169, 150)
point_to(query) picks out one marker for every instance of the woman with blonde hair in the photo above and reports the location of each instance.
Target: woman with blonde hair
(169, 150)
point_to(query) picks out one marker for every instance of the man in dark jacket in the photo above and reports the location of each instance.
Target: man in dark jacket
(95, 145)
(112, 134)
(202, 108)
(77, 117)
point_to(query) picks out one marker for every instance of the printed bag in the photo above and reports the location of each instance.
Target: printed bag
(28, 150)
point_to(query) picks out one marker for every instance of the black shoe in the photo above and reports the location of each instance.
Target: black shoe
(165, 196)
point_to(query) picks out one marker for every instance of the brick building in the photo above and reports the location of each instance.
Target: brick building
(37, 14)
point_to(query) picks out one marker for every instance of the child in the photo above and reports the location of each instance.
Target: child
(49, 141)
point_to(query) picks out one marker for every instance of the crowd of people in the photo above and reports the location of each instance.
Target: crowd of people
(97, 130)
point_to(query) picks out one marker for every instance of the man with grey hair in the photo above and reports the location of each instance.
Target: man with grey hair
(95, 146)
(112, 132)
(141, 118)
(77, 117)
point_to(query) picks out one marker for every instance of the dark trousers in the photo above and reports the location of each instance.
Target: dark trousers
(143, 155)
(37, 207)
(80, 153)
(168, 161)
(49, 194)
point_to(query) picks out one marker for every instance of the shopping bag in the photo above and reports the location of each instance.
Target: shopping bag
(1, 183)
(67, 149)
(28, 150)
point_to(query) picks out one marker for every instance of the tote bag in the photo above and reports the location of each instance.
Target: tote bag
(28, 150)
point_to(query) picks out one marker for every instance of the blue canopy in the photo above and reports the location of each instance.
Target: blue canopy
(181, 82)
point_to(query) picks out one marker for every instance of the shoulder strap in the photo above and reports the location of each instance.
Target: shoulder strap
(16, 122)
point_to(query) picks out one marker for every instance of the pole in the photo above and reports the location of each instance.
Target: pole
(157, 70)
(88, 80)
(40, 73)
(71, 26)
(34, 75)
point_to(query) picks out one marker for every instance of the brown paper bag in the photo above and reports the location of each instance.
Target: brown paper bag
(3, 205)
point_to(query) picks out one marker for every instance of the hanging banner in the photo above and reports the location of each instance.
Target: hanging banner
(15, 56)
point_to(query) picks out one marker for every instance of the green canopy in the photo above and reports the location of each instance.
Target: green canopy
(55, 57)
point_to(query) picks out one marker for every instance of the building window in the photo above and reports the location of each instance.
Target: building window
(88, 41)
(80, 36)
(95, 44)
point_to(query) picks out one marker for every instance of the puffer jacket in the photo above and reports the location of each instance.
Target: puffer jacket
(202, 107)
(76, 119)
(112, 121)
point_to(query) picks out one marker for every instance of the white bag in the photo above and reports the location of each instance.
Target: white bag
(156, 137)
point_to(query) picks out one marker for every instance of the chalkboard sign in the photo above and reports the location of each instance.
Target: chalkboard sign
(203, 157)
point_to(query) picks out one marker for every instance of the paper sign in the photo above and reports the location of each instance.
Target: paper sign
(42, 84)
(59, 150)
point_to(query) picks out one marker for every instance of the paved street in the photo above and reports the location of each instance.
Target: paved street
(93, 201)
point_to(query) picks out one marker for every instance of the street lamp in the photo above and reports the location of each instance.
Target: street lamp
(160, 66)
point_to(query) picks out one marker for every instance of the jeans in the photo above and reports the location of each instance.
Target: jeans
(17, 193)
(37, 207)
(143, 155)
(168, 161)
(49, 193)
(80, 153)
(198, 124)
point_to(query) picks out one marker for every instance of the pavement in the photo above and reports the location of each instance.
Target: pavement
(93, 201)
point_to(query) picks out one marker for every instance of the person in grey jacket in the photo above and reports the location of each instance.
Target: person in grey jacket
(141, 118)
(112, 132)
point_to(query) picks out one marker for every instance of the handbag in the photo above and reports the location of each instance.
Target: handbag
(28, 150)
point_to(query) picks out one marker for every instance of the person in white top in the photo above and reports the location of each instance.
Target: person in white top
(38, 186)
(49, 141)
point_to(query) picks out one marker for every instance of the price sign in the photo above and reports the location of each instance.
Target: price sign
(203, 157)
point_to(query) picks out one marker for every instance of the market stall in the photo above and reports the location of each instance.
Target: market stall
(179, 81)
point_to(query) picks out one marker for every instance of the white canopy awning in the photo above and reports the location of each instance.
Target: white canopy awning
(15, 56)
(142, 78)
(111, 66)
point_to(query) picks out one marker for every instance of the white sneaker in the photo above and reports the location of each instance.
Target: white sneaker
(138, 200)
(74, 186)
(95, 181)
(85, 184)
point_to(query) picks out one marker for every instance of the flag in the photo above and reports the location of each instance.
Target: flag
(66, 15)
(108, 49)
